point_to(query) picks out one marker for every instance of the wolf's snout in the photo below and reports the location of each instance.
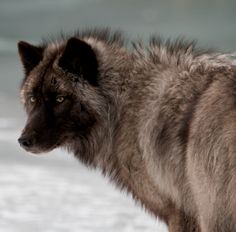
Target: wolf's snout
(25, 142)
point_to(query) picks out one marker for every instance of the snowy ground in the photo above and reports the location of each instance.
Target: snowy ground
(55, 193)
(39, 198)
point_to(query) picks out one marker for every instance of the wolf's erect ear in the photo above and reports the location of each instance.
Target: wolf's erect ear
(79, 58)
(30, 55)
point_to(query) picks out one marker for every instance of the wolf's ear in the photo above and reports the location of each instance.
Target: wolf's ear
(79, 58)
(30, 55)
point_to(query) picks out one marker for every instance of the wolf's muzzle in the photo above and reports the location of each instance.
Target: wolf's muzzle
(25, 142)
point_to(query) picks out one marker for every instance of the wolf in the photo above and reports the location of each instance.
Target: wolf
(159, 120)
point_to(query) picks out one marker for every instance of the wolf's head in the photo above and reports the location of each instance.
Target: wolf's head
(60, 93)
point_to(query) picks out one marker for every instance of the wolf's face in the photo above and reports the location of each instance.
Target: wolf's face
(58, 93)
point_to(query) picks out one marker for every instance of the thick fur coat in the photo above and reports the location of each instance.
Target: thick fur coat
(159, 120)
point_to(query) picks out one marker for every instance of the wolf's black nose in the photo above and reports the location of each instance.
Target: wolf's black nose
(25, 142)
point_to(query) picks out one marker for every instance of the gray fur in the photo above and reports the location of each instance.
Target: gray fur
(166, 129)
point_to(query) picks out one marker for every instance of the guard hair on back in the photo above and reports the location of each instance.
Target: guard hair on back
(157, 118)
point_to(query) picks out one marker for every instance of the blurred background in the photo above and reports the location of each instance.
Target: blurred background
(54, 193)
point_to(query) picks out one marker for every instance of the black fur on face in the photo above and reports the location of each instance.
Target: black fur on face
(58, 110)
(54, 117)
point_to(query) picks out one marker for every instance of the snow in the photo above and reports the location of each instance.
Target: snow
(55, 193)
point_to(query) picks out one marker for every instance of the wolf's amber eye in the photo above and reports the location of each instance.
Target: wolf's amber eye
(60, 99)
(32, 99)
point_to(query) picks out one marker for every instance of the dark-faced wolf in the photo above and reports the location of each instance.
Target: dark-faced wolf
(158, 119)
